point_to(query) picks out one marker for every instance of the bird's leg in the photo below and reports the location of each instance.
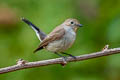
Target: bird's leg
(64, 58)
(69, 55)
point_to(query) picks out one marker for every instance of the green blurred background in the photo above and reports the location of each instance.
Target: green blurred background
(101, 20)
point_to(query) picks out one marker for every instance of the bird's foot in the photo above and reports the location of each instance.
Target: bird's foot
(64, 61)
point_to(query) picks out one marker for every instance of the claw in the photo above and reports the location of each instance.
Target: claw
(64, 61)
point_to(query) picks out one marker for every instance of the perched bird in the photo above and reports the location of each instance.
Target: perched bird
(60, 39)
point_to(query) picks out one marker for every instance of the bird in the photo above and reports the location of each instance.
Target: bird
(60, 39)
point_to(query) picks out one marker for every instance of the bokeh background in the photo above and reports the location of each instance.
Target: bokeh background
(101, 20)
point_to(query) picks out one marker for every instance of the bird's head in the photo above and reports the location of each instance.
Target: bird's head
(73, 23)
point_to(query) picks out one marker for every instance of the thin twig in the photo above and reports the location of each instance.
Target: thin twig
(20, 66)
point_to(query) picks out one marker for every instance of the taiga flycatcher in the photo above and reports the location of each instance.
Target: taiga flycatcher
(60, 39)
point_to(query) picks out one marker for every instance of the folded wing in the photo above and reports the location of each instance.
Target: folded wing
(56, 34)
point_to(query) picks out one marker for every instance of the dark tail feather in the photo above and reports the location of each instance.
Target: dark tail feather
(37, 49)
(30, 24)
(40, 34)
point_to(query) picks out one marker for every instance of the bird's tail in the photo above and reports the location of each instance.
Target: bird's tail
(37, 49)
(41, 35)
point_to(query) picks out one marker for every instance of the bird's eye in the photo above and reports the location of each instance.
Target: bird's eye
(72, 22)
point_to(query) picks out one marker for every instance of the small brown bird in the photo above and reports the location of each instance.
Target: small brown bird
(60, 39)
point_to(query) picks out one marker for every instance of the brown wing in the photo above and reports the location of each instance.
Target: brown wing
(56, 34)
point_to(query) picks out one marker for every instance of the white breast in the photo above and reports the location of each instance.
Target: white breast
(70, 32)
(70, 36)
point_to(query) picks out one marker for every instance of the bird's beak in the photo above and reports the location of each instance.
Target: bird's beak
(79, 25)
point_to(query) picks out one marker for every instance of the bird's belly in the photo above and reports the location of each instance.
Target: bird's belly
(62, 44)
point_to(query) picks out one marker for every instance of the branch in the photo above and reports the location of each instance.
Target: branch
(22, 64)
